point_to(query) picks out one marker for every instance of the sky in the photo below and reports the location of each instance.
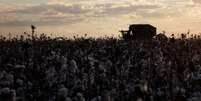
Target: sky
(98, 17)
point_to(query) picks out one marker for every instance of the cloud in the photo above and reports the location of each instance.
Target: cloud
(43, 15)
(83, 13)
(37, 23)
(120, 9)
(59, 14)
(38, 9)
(197, 1)
(45, 21)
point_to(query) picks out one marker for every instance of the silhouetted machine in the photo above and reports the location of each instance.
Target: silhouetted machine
(139, 31)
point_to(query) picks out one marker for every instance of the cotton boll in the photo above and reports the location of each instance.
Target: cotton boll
(19, 66)
(5, 91)
(68, 99)
(196, 96)
(1, 74)
(145, 87)
(19, 82)
(101, 68)
(5, 83)
(74, 67)
(139, 99)
(195, 58)
(80, 97)
(62, 92)
(63, 60)
(20, 92)
(29, 84)
(8, 79)
(13, 95)
(98, 98)
(198, 67)
(7, 94)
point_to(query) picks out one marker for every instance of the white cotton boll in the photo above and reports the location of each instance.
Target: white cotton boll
(57, 57)
(50, 72)
(73, 62)
(13, 95)
(29, 84)
(91, 77)
(195, 97)
(5, 83)
(19, 66)
(109, 63)
(53, 52)
(80, 97)
(102, 68)
(196, 94)
(63, 71)
(19, 82)
(196, 76)
(160, 93)
(63, 60)
(79, 94)
(62, 92)
(50, 76)
(176, 90)
(4, 73)
(183, 90)
(74, 66)
(107, 95)
(195, 58)
(20, 91)
(92, 60)
(144, 63)
(10, 78)
(198, 67)
(98, 98)
(139, 99)
(94, 99)
(145, 87)
(5, 90)
(1, 75)
(68, 99)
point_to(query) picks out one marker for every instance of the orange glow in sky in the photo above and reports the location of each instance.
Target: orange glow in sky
(98, 17)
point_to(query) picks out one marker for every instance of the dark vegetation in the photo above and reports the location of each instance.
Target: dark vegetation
(107, 69)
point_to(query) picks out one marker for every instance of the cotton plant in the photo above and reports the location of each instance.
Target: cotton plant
(196, 96)
(73, 67)
(99, 70)
(62, 92)
(51, 76)
(79, 97)
(7, 94)
(98, 98)
(7, 79)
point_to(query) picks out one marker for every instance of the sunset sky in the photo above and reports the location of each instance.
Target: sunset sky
(98, 17)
